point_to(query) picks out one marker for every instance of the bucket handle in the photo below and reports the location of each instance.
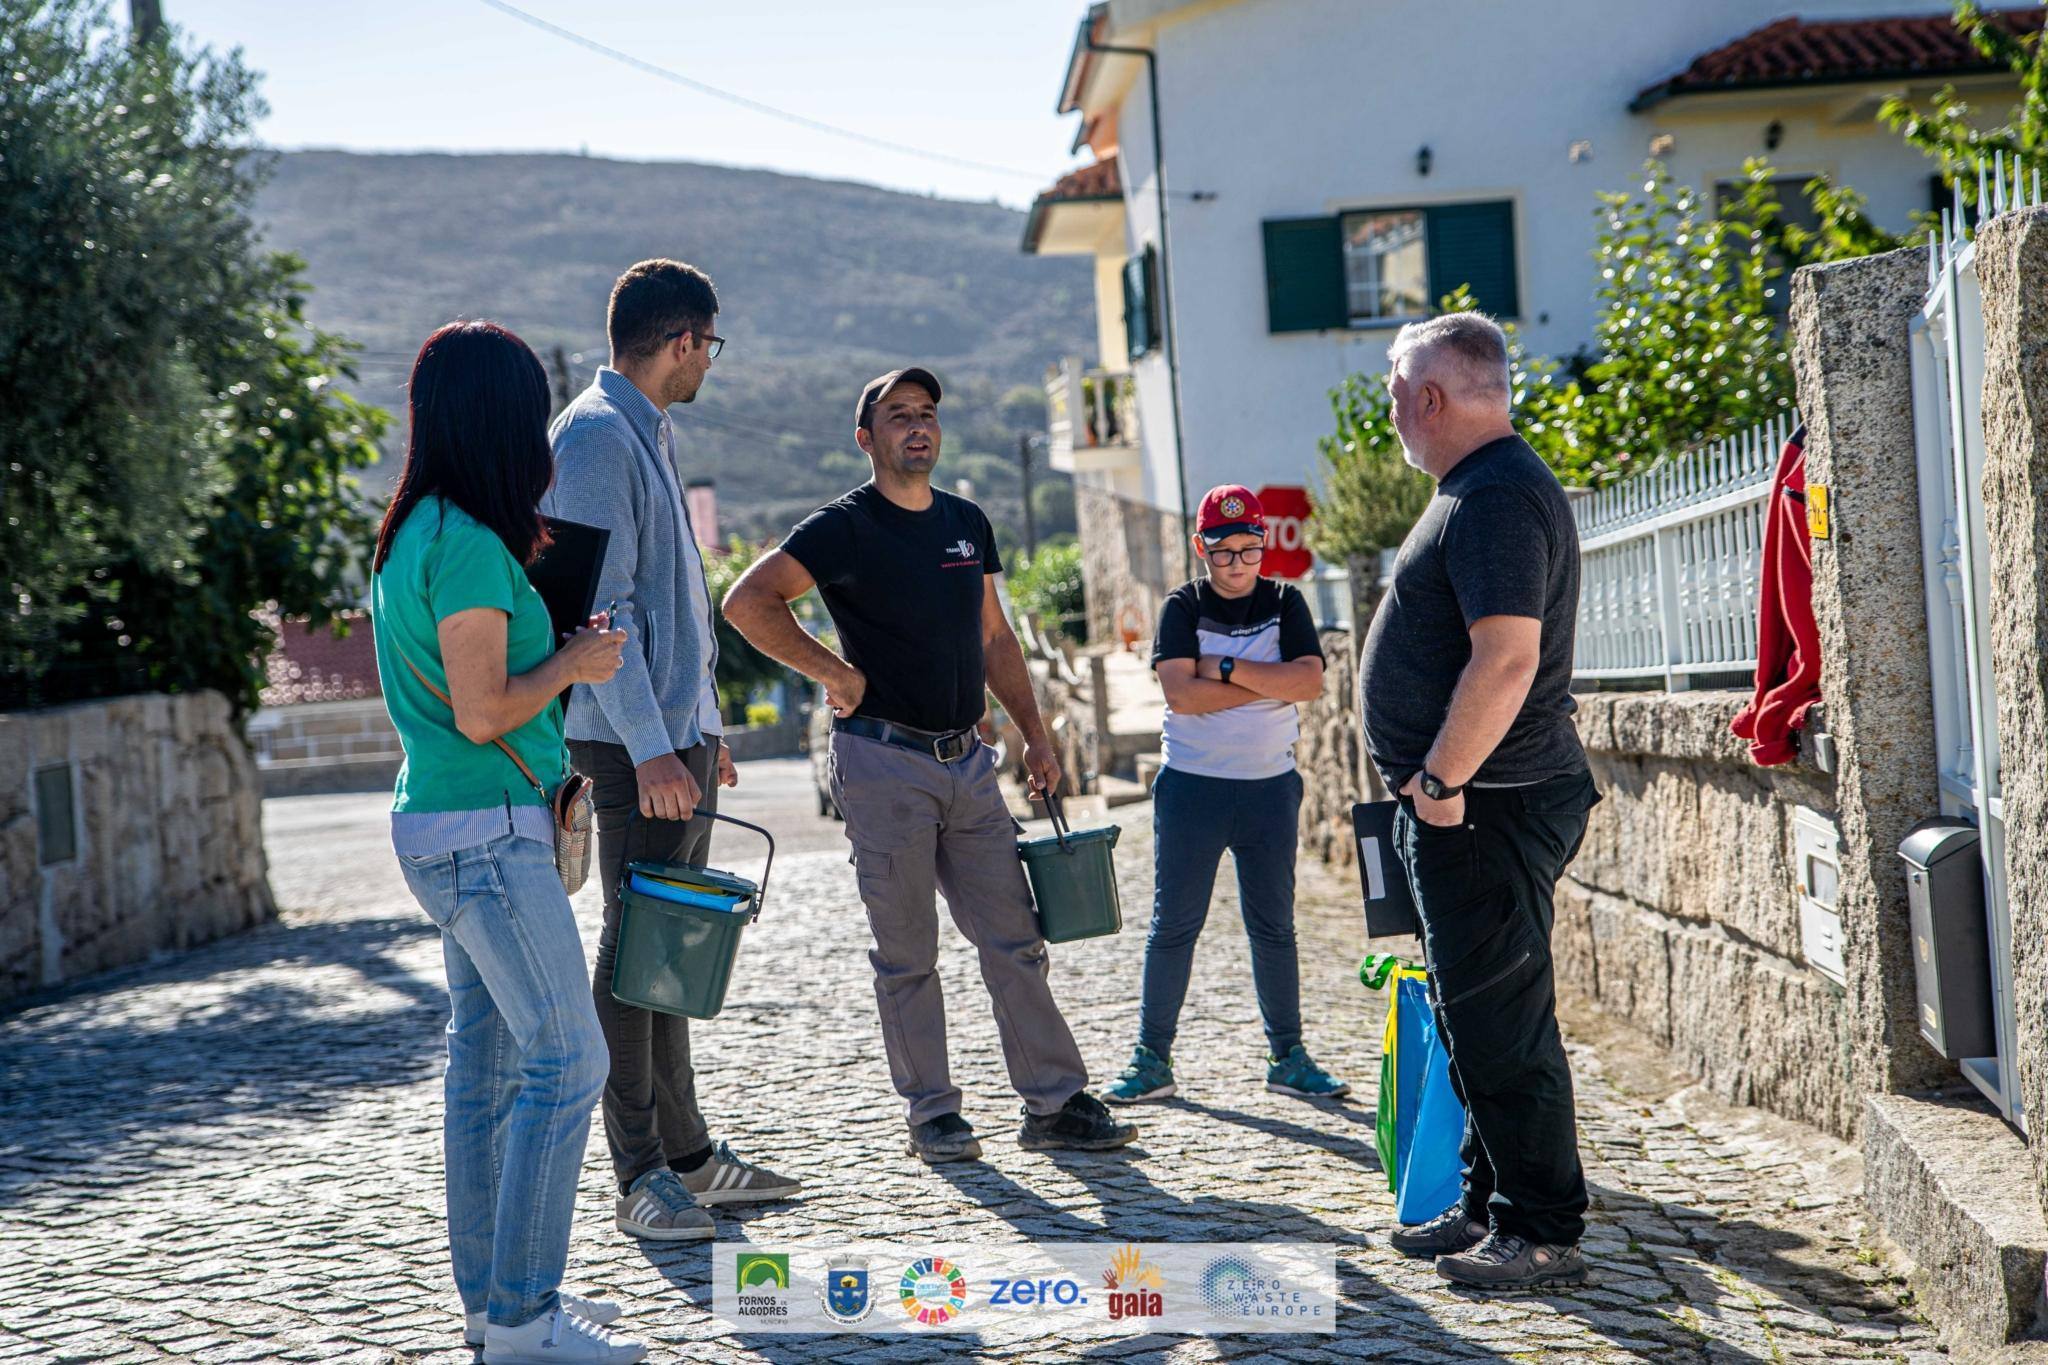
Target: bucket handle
(761, 896)
(1057, 811)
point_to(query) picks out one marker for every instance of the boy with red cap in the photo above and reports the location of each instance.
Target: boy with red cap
(1235, 653)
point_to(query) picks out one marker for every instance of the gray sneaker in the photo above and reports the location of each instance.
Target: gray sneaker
(658, 1208)
(725, 1179)
(1509, 1262)
(945, 1138)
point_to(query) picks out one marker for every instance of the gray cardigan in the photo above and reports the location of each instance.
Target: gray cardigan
(609, 472)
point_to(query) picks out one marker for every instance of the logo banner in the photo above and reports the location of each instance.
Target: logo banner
(1025, 1289)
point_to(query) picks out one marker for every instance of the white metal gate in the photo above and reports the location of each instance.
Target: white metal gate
(1948, 429)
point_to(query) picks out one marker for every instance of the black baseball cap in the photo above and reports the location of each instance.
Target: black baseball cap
(878, 388)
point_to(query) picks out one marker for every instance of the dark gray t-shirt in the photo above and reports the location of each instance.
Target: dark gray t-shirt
(1498, 539)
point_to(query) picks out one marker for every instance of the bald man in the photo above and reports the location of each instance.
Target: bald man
(1466, 681)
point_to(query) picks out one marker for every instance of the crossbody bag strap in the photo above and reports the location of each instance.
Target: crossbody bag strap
(517, 761)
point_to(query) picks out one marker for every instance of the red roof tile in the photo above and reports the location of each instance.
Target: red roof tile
(318, 665)
(1799, 51)
(1097, 181)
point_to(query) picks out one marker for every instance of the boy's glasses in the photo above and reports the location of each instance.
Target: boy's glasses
(1229, 557)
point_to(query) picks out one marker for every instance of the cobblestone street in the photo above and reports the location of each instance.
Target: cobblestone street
(234, 1154)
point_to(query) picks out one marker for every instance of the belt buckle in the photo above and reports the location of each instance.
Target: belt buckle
(940, 745)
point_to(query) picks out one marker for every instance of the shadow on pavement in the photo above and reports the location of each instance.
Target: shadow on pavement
(136, 1066)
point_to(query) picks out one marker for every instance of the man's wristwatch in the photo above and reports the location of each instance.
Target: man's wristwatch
(1436, 789)
(1224, 667)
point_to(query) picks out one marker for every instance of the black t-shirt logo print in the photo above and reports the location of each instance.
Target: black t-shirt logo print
(963, 548)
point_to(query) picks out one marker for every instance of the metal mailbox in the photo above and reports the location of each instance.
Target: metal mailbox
(1951, 950)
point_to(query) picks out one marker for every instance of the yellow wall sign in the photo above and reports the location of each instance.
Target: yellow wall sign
(1817, 510)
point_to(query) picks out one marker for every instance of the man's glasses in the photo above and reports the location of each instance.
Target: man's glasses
(716, 344)
(1229, 557)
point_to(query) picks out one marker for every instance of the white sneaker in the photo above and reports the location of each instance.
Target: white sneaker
(590, 1310)
(558, 1338)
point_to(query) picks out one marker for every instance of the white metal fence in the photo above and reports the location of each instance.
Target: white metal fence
(1670, 563)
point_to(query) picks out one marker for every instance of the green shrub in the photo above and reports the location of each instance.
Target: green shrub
(1049, 584)
(763, 713)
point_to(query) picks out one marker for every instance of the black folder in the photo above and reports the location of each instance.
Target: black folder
(566, 575)
(1389, 909)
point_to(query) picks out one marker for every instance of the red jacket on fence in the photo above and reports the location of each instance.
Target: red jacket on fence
(1787, 641)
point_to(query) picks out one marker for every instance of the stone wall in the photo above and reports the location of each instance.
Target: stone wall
(1331, 756)
(1681, 913)
(2012, 268)
(169, 836)
(1852, 355)
(1130, 560)
(325, 746)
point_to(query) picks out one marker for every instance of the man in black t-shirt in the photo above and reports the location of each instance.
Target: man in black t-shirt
(1466, 680)
(907, 572)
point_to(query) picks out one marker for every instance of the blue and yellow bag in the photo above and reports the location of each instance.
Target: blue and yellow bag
(1421, 1123)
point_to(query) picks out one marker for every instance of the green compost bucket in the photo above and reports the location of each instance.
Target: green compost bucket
(679, 932)
(1073, 879)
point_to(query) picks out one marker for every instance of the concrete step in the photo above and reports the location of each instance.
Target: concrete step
(1948, 1181)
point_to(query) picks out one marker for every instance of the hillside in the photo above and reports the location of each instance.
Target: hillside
(823, 284)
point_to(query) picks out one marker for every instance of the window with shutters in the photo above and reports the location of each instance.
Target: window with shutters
(1386, 266)
(1381, 267)
(1141, 303)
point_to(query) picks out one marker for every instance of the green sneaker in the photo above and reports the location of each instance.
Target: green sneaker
(1148, 1077)
(1297, 1074)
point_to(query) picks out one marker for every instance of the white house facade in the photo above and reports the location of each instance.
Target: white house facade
(1334, 166)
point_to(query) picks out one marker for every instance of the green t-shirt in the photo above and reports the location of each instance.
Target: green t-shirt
(444, 561)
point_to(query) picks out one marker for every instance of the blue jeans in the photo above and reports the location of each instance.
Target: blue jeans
(1194, 820)
(526, 1061)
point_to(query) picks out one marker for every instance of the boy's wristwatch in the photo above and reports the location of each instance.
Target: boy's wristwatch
(1224, 667)
(1436, 789)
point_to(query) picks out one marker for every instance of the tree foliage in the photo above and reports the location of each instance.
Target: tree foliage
(1049, 584)
(1946, 130)
(742, 669)
(177, 452)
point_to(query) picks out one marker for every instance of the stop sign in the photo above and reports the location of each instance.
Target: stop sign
(1287, 513)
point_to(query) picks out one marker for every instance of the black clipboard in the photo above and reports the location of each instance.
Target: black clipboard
(566, 576)
(1389, 908)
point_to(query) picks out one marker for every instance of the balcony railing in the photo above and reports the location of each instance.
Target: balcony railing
(1091, 418)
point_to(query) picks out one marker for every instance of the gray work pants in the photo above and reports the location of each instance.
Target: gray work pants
(918, 825)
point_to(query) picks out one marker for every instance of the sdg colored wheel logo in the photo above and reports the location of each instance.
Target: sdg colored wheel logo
(933, 1290)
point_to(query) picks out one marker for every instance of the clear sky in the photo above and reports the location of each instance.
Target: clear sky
(974, 79)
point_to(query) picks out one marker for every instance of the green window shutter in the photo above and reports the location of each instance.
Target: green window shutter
(1141, 308)
(1305, 275)
(1474, 245)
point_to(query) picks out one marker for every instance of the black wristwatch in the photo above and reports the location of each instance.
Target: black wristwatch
(1436, 789)
(1224, 666)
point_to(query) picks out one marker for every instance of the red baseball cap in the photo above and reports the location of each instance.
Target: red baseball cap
(1228, 510)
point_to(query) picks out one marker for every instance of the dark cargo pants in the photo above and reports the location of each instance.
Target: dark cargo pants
(1484, 891)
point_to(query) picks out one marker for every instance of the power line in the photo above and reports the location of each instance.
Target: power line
(754, 105)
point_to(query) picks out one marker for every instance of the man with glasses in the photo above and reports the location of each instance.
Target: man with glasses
(649, 738)
(1235, 653)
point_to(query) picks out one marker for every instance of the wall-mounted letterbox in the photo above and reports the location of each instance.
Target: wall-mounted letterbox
(1817, 854)
(1951, 952)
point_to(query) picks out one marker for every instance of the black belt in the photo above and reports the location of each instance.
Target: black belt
(948, 747)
